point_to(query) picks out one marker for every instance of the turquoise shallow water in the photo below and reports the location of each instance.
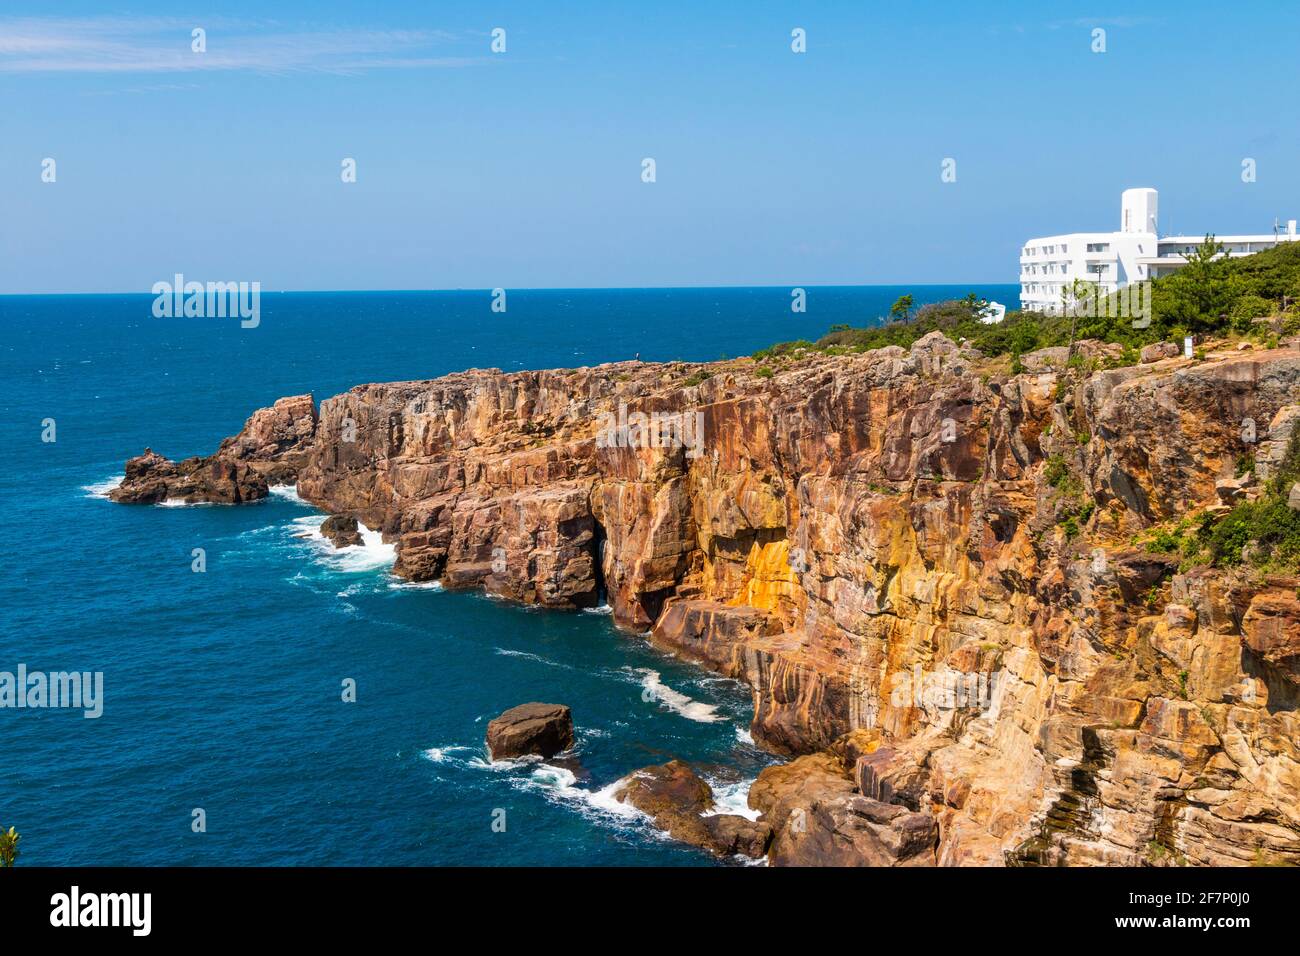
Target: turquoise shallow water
(222, 689)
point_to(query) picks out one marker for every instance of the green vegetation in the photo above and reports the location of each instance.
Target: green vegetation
(901, 310)
(1075, 508)
(697, 378)
(1208, 296)
(9, 846)
(1055, 471)
(1268, 525)
(1272, 526)
(1250, 296)
(1160, 855)
(1267, 859)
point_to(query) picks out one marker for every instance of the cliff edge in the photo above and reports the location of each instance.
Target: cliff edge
(941, 580)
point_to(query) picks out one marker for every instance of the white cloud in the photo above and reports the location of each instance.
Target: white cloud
(162, 45)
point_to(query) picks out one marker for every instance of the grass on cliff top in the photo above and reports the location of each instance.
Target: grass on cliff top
(1207, 297)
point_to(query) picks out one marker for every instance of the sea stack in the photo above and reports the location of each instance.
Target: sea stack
(342, 530)
(541, 729)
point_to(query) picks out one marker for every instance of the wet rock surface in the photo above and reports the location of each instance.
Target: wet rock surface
(678, 802)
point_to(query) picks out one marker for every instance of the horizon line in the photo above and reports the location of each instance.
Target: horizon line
(487, 289)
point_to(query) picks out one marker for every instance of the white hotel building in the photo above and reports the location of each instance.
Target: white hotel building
(1115, 259)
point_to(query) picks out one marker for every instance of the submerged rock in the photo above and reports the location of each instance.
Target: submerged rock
(541, 729)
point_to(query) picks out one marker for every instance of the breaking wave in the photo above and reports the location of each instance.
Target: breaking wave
(100, 489)
(679, 703)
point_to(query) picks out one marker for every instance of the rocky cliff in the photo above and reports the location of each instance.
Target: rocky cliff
(927, 569)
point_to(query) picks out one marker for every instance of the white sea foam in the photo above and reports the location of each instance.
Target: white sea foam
(507, 652)
(555, 778)
(475, 758)
(100, 489)
(603, 609)
(744, 736)
(676, 701)
(600, 806)
(604, 801)
(446, 754)
(370, 555)
(731, 797)
(557, 784)
(287, 493)
(398, 584)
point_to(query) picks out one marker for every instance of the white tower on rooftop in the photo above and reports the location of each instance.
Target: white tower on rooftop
(1139, 209)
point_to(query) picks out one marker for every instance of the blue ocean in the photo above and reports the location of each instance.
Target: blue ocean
(222, 690)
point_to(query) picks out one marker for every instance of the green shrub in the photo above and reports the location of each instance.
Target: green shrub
(9, 846)
(1288, 470)
(1163, 542)
(1249, 307)
(1270, 522)
(1055, 471)
(1208, 296)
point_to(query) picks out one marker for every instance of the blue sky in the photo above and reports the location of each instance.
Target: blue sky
(523, 169)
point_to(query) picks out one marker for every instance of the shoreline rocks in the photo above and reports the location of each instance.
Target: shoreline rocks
(677, 800)
(854, 537)
(541, 729)
(342, 530)
(153, 479)
(270, 449)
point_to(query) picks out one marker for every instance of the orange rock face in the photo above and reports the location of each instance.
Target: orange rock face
(893, 550)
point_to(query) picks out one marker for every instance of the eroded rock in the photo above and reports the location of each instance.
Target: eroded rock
(152, 479)
(854, 830)
(541, 729)
(852, 528)
(677, 800)
(342, 530)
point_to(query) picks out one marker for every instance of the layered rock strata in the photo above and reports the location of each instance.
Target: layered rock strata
(923, 566)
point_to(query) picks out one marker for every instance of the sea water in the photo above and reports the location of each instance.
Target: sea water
(224, 736)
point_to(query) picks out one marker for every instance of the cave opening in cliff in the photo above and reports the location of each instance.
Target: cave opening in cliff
(598, 545)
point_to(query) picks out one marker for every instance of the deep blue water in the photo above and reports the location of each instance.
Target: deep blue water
(222, 690)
